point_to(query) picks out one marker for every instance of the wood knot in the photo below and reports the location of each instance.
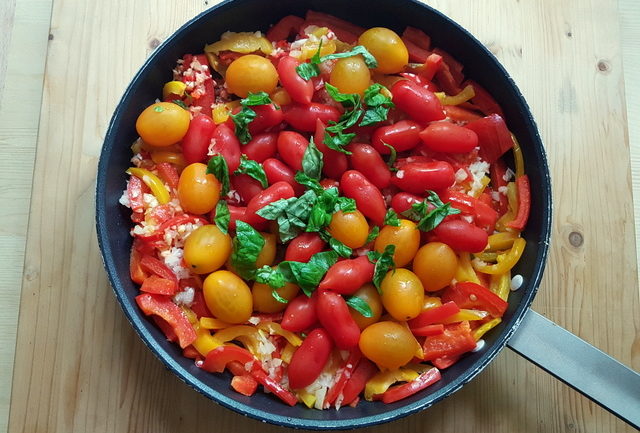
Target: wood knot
(576, 239)
(50, 36)
(153, 43)
(569, 35)
(604, 66)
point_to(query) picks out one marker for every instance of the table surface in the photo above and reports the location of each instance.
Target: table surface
(79, 367)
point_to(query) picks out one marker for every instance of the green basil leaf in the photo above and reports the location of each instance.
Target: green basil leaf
(307, 276)
(291, 214)
(360, 305)
(179, 103)
(278, 298)
(241, 121)
(338, 141)
(346, 205)
(253, 169)
(309, 182)
(428, 220)
(222, 217)
(273, 210)
(247, 245)
(369, 60)
(393, 154)
(260, 98)
(391, 218)
(308, 70)
(373, 234)
(335, 244)
(378, 105)
(312, 161)
(384, 264)
(271, 276)
(374, 115)
(217, 166)
(322, 210)
(346, 99)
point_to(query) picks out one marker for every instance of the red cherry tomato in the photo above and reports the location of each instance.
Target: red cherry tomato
(417, 177)
(303, 117)
(246, 186)
(278, 171)
(261, 146)
(291, 147)
(333, 314)
(448, 138)
(402, 135)
(226, 143)
(298, 88)
(235, 213)
(309, 359)
(330, 183)
(368, 161)
(462, 236)
(369, 199)
(305, 245)
(195, 142)
(420, 104)
(403, 201)
(275, 192)
(267, 116)
(300, 313)
(335, 163)
(347, 276)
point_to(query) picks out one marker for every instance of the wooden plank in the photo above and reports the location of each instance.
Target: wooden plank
(79, 366)
(24, 25)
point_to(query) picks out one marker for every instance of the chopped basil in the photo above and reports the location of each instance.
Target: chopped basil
(360, 305)
(271, 276)
(222, 217)
(309, 182)
(312, 161)
(378, 105)
(246, 114)
(384, 263)
(291, 214)
(338, 141)
(247, 245)
(335, 244)
(393, 154)
(311, 69)
(391, 218)
(429, 220)
(373, 234)
(217, 166)
(260, 98)
(277, 297)
(253, 169)
(179, 103)
(307, 276)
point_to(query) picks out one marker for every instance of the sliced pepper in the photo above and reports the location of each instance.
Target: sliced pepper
(454, 341)
(512, 199)
(356, 384)
(153, 182)
(465, 271)
(217, 360)
(164, 307)
(494, 137)
(524, 203)
(501, 284)
(379, 383)
(168, 173)
(428, 330)
(154, 266)
(138, 275)
(517, 157)
(175, 158)
(483, 99)
(485, 327)
(284, 28)
(434, 315)
(233, 332)
(505, 261)
(466, 314)
(501, 241)
(159, 286)
(275, 328)
(270, 384)
(134, 193)
(399, 392)
(343, 373)
(204, 342)
(173, 90)
(244, 384)
(463, 96)
(474, 296)
(459, 114)
(212, 323)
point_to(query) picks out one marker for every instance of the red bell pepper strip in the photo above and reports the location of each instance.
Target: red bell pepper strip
(416, 54)
(474, 296)
(138, 275)
(269, 383)
(454, 341)
(417, 37)
(344, 30)
(445, 362)
(245, 384)
(155, 266)
(159, 286)
(459, 114)
(494, 137)
(446, 80)
(165, 328)
(236, 368)
(345, 373)
(161, 213)
(164, 307)
(199, 306)
(190, 352)
(497, 171)
(454, 67)
(134, 192)
(284, 28)
(524, 203)
(428, 330)
(483, 99)
(399, 392)
(434, 315)
(355, 385)
(218, 358)
(431, 66)
(169, 174)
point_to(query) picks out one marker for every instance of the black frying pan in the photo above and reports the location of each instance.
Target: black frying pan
(572, 360)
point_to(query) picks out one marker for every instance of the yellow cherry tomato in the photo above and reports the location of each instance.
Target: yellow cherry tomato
(162, 124)
(251, 74)
(206, 249)
(405, 237)
(263, 300)
(368, 294)
(350, 75)
(388, 344)
(198, 191)
(268, 253)
(228, 297)
(387, 47)
(435, 264)
(350, 228)
(402, 294)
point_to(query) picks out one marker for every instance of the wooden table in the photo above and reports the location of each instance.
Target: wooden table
(79, 367)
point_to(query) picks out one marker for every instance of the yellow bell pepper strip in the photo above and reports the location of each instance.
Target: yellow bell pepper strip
(512, 197)
(153, 182)
(484, 182)
(505, 261)
(275, 328)
(176, 88)
(307, 398)
(212, 323)
(379, 383)
(251, 343)
(466, 94)
(501, 284)
(517, 157)
(175, 158)
(280, 97)
(502, 241)
(240, 42)
(465, 271)
(233, 332)
(164, 307)
(204, 342)
(486, 257)
(220, 113)
(466, 314)
(405, 390)
(481, 330)
(287, 352)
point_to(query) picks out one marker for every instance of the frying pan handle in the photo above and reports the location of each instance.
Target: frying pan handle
(580, 365)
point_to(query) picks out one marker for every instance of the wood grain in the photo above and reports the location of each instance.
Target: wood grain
(79, 366)
(24, 28)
